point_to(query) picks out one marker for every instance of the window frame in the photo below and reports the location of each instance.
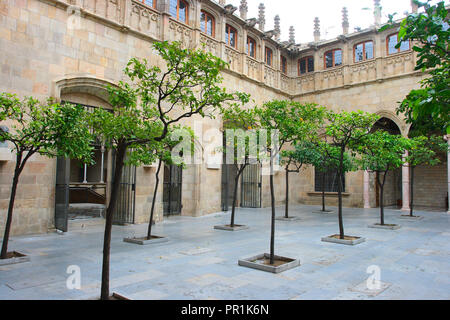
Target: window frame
(364, 51)
(251, 40)
(178, 11)
(398, 41)
(266, 50)
(306, 63)
(328, 175)
(334, 56)
(229, 27)
(283, 64)
(207, 14)
(154, 3)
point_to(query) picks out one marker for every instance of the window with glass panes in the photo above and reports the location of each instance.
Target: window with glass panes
(391, 43)
(231, 36)
(333, 58)
(363, 51)
(269, 56)
(151, 3)
(251, 47)
(305, 65)
(283, 64)
(179, 10)
(207, 23)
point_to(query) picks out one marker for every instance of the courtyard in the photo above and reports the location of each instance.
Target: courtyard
(199, 262)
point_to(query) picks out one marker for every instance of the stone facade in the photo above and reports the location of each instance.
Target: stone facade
(70, 49)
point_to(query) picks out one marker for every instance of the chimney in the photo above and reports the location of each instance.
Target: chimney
(316, 29)
(345, 24)
(243, 9)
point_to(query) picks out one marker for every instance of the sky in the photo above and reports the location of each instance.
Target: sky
(301, 14)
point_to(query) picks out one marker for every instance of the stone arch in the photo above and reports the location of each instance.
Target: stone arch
(404, 129)
(83, 85)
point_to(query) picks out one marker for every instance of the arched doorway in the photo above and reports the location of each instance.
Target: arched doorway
(393, 187)
(84, 191)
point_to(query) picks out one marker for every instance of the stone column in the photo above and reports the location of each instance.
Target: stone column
(405, 185)
(277, 28)
(292, 34)
(366, 190)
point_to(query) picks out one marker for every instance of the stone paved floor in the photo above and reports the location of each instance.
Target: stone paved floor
(201, 263)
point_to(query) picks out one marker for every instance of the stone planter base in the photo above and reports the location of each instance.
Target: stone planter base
(143, 241)
(227, 227)
(413, 218)
(351, 241)
(260, 262)
(323, 212)
(386, 227)
(14, 257)
(287, 219)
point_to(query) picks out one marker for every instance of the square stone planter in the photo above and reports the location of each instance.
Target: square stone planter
(227, 227)
(283, 218)
(260, 262)
(408, 217)
(323, 212)
(351, 241)
(144, 241)
(15, 257)
(386, 226)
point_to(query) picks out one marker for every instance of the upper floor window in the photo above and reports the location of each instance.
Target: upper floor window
(207, 23)
(179, 10)
(231, 36)
(269, 56)
(251, 47)
(392, 42)
(150, 3)
(333, 58)
(363, 51)
(305, 65)
(283, 64)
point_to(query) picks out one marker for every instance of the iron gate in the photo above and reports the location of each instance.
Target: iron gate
(251, 182)
(126, 202)
(172, 187)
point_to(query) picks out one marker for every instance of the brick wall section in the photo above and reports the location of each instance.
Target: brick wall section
(430, 187)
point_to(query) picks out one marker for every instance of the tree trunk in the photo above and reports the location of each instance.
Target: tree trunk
(149, 231)
(286, 214)
(341, 222)
(323, 192)
(381, 205)
(411, 197)
(121, 150)
(236, 184)
(12, 199)
(272, 229)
